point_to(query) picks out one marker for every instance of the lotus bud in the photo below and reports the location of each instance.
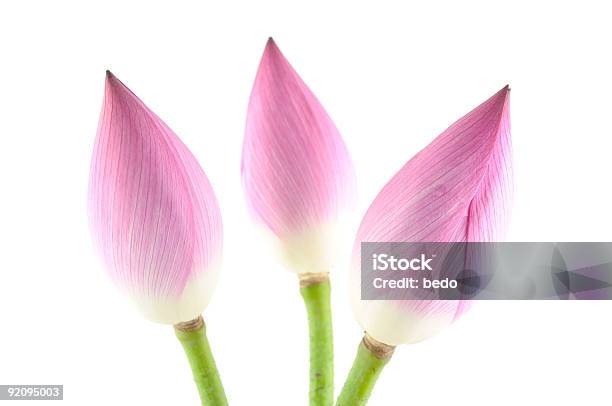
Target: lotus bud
(457, 189)
(154, 216)
(296, 171)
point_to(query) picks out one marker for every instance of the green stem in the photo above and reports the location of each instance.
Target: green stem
(315, 290)
(372, 356)
(192, 335)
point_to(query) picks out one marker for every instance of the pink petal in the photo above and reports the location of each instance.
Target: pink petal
(459, 188)
(296, 170)
(154, 216)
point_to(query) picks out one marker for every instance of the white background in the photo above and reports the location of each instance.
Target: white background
(392, 76)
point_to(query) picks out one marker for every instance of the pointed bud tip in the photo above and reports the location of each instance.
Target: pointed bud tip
(271, 46)
(502, 94)
(115, 86)
(110, 78)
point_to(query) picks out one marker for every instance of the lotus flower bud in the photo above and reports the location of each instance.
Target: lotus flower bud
(296, 171)
(457, 189)
(154, 217)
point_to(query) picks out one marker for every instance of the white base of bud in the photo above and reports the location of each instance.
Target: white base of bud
(188, 306)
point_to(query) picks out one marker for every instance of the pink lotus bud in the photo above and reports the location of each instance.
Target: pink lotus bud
(457, 189)
(153, 214)
(296, 171)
